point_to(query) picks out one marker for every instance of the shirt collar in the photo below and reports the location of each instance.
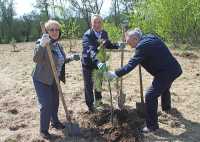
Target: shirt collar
(97, 34)
(55, 44)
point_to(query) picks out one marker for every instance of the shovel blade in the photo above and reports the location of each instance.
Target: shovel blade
(140, 108)
(72, 130)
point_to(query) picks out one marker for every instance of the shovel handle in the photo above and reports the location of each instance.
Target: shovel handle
(121, 94)
(122, 60)
(55, 74)
(111, 101)
(141, 84)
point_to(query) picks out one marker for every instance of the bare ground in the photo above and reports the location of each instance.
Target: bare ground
(19, 115)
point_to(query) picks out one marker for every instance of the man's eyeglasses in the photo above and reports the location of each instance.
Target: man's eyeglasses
(54, 30)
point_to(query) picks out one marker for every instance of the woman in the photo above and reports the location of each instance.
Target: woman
(43, 79)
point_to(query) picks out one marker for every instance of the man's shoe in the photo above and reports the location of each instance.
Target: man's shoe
(58, 125)
(45, 135)
(91, 109)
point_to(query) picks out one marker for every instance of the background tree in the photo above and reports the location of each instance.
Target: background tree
(43, 6)
(70, 30)
(114, 32)
(6, 16)
(174, 21)
(87, 7)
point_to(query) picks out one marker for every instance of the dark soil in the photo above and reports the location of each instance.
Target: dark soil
(125, 128)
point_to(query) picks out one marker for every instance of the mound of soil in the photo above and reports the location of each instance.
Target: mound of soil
(125, 127)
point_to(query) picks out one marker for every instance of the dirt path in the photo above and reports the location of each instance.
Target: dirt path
(19, 113)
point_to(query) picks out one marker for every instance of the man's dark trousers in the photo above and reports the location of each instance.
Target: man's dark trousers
(88, 86)
(160, 87)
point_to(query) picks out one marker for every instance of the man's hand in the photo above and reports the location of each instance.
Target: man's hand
(44, 40)
(106, 43)
(76, 57)
(102, 66)
(121, 45)
(110, 75)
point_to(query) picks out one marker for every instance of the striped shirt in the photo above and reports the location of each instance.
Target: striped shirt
(60, 58)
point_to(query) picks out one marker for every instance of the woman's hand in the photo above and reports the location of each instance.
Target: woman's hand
(44, 40)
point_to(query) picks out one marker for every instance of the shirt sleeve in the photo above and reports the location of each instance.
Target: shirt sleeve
(39, 53)
(132, 63)
(107, 42)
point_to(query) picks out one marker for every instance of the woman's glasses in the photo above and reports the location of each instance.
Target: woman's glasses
(54, 30)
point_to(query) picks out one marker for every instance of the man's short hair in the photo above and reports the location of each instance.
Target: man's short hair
(96, 16)
(135, 32)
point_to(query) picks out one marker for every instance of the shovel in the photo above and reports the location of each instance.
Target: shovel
(70, 128)
(111, 102)
(140, 106)
(122, 95)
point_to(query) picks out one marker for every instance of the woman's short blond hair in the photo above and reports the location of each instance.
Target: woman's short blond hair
(51, 22)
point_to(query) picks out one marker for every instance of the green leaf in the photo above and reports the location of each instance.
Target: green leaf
(97, 75)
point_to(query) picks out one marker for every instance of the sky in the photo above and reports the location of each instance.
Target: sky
(26, 6)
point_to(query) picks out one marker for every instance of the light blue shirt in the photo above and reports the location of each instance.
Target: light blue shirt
(98, 34)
